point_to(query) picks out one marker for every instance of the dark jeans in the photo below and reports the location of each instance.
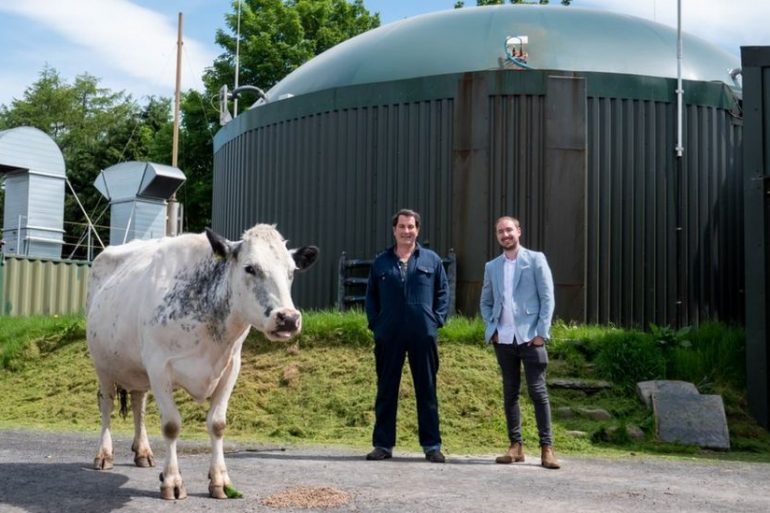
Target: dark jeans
(389, 358)
(535, 360)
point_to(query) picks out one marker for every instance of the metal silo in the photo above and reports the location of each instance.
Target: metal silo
(33, 215)
(431, 113)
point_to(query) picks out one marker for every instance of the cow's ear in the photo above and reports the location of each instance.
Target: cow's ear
(304, 257)
(221, 246)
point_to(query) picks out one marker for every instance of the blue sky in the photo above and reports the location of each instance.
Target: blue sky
(130, 45)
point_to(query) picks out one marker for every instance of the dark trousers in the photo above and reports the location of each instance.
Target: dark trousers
(389, 358)
(535, 360)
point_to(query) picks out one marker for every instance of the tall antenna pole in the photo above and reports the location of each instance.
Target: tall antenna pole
(175, 141)
(679, 89)
(237, 58)
(172, 209)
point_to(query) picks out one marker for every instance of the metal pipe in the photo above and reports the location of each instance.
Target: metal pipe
(679, 89)
(177, 94)
(237, 58)
(681, 308)
(18, 236)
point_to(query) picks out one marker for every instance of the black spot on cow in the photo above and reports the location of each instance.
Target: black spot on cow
(201, 294)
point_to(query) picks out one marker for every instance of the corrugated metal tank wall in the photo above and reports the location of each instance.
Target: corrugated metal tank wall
(516, 165)
(713, 219)
(633, 224)
(335, 179)
(333, 175)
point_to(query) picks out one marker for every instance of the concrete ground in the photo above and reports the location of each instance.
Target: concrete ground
(50, 472)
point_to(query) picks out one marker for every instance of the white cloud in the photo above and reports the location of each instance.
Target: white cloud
(728, 24)
(118, 41)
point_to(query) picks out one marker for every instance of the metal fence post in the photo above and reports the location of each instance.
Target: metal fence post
(2, 284)
(341, 283)
(451, 268)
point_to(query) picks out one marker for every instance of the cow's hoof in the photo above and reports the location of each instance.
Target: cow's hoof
(217, 492)
(224, 492)
(103, 463)
(144, 461)
(171, 493)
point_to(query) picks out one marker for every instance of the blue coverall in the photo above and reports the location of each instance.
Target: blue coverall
(405, 314)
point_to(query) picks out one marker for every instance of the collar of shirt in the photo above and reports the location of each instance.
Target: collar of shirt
(415, 253)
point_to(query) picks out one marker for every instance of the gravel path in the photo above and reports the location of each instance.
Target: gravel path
(49, 472)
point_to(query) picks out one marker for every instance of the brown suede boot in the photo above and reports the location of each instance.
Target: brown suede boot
(548, 458)
(515, 453)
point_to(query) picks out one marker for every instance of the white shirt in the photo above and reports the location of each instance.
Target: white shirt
(506, 327)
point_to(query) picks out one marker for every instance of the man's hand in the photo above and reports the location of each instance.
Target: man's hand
(537, 341)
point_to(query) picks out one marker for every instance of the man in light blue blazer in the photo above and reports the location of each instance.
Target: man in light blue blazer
(517, 303)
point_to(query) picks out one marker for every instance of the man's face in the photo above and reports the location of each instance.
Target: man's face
(405, 232)
(508, 234)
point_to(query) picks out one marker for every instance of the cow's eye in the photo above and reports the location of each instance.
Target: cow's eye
(250, 269)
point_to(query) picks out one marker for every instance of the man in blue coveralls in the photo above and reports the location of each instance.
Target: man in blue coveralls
(407, 299)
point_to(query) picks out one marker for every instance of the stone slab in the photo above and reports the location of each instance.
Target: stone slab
(645, 389)
(588, 386)
(595, 413)
(691, 419)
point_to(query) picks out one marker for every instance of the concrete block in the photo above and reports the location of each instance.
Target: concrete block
(645, 389)
(691, 419)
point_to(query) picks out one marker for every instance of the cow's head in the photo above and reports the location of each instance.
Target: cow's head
(261, 273)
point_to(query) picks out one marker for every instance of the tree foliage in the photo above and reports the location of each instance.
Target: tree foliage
(96, 128)
(277, 36)
(196, 153)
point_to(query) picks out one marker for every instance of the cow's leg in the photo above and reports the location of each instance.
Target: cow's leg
(220, 486)
(106, 399)
(172, 486)
(143, 456)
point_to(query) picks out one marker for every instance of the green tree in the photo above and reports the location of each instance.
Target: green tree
(196, 151)
(277, 36)
(94, 129)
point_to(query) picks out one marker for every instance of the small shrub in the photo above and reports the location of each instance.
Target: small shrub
(628, 357)
(716, 353)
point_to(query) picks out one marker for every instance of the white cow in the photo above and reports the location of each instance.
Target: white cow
(174, 312)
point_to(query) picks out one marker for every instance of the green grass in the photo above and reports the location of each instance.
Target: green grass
(24, 339)
(320, 389)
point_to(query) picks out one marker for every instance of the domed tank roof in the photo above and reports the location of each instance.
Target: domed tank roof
(473, 39)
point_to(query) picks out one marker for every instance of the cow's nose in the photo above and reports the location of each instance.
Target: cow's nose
(288, 320)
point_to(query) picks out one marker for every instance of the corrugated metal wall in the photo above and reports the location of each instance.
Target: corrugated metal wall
(517, 134)
(334, 176)
(633, 224)
(335, 179)
(42, 287)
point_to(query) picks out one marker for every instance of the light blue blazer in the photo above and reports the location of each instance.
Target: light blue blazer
(533, 299)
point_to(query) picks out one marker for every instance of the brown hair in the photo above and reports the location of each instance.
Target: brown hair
(515, 221)
(407, 213)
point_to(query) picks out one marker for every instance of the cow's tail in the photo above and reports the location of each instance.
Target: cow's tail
(123, 402)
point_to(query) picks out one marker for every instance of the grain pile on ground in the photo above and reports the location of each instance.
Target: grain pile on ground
(308, 497)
